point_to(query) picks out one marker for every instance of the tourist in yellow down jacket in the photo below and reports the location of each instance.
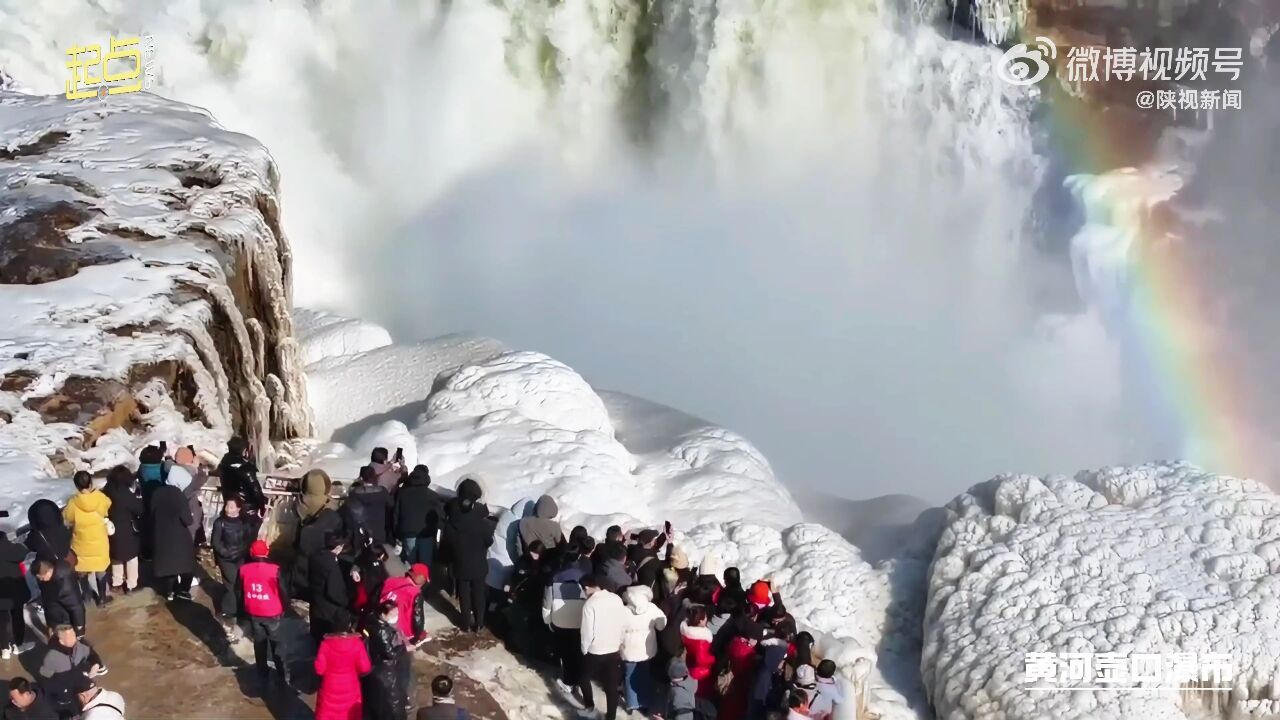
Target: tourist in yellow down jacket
(86, 515)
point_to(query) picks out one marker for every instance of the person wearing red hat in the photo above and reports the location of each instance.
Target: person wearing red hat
(410, 615)
(406, 592)
(760, 594)
(263, 599)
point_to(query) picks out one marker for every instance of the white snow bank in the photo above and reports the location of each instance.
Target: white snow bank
(325, 335)
(350, 393)
(525, 425)
(1151, 559)
(526, 384)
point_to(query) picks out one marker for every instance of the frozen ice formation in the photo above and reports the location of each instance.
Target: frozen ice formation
(1157, 559)
(144, 287)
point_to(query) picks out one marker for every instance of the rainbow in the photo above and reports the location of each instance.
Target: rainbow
(1178, 358)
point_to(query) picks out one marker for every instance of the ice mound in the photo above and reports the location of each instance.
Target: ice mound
(329, 335)
(528, 384)
(1153, 559)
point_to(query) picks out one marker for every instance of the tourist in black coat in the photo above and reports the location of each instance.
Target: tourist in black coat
(60, 594)
(368, 507)
(27, 702)
(233, 532)
(126, 513)
(48, 538)
(387, 695)
(14, 594)
(469, 533)
(417, 517)
(330, 592)
(174, 562)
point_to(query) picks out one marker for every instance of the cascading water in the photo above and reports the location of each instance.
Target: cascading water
(805, 220)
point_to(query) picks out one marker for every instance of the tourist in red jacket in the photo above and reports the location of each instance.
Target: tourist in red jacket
(697, 647)
(341, 661)
(741, 652)
(406, 592)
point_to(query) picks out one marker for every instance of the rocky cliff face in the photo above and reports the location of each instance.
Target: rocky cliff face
(144, 286)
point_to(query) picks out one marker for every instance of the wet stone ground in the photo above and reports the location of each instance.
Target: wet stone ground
(174, 660)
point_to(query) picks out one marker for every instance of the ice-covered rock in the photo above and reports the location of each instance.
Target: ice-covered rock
(144, 286)
(1157, 559)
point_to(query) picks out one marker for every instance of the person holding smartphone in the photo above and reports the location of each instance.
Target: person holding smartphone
(388, 472)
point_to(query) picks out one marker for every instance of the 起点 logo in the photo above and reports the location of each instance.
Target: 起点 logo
(127, 67)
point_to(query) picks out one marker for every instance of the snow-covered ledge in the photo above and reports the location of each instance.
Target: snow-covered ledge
(144, 287)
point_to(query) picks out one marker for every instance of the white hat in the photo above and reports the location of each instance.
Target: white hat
(805, 678)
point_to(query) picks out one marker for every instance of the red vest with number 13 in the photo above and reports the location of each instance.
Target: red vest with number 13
(261, 582)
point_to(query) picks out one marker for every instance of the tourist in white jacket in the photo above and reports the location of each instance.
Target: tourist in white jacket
(603, 620)
(639, 647)
(98, 704)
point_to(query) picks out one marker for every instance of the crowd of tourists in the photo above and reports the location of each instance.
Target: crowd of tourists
(625, 614)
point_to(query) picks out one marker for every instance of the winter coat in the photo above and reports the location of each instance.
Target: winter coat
(742, 661)
(825, 699)
(387, 475)
(410, 603)
(14, 592)
(59, 668)
(340, 662)
(61, 597)
(239, 476)
(386, 651)
(39, 709)
(417, 508)
(232, 536)
(468, 535)
(330, 599)
(683, 702)
(526, 583)
(171, 521)
(697, 655)
(191, 484)
(563, 599)
(603, 621)
(48, 538)
(614, 575)
(106, 705)
(772, 653)
(126, 514)
(368, 507)
(311, 535)
(648, 570)
(643, 622)
(543, 525)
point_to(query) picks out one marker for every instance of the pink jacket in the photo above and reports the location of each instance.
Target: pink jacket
(340, 663)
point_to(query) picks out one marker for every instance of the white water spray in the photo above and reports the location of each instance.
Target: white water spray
(802, 220)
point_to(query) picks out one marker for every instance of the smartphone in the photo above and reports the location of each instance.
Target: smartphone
(399, 455)
(164, 447)
(667, 528)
